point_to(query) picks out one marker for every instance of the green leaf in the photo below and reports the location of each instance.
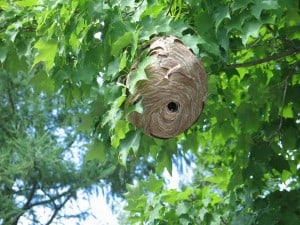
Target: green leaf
(160, 25)
(123, 61)
(173, 196)
(121, 43)
(43, 83)
(3, 53)
(288, 111)
(164, 162)
(182, 208)
(134, 191)
(249, 117)
(286, 175)
(213, 84)
(251, 28)
(86, 74)
(153, 185)
(86, 122)
(259, 6)
(15, 63)
(46, 52)
(132, 141)
(120, 100)
(222, 13)
(139, 74)
(120, 132)
(26, 3)
(4, 5)
(155, 213)
(240, 4)
(97, 151)
(193, 41)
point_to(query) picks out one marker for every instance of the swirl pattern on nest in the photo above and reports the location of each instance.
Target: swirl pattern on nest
(174, 93)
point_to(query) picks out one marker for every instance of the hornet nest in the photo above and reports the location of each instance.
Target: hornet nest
(175, 90)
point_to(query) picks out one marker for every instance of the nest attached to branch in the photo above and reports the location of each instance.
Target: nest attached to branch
(175, 90)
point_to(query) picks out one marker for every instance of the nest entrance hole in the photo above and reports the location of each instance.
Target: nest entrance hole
(173, 106)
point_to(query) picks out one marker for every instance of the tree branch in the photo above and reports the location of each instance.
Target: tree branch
(58, 208)
(51, 199)
(30, 197)
(264, 60)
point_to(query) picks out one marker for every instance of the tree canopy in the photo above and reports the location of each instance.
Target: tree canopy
(244, 149)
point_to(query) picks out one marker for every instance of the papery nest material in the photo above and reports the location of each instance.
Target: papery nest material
(174, 92)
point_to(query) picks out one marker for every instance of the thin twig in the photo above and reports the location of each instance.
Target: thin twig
(58, 208)
(50, 200)
(286, 82)
(170, 8)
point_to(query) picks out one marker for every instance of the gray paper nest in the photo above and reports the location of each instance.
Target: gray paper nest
(174, 93)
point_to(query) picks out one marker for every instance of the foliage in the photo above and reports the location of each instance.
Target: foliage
(246, 143)
(38, 172)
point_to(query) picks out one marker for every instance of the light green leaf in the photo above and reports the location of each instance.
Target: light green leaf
(155, 213)
(139, 74)
(121, 43)
(134, 191)
(132, 141)
(182, 208)
(286, 175)
(120, 100)
(288, 111)
(46, 52)
(123, 61)
(26, 3)
(164, 162)
(97, 151)
(4, 5)
(153, 184)
(173, 196)
(120, 132)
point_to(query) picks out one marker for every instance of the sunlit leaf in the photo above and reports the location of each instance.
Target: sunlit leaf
(46, 52)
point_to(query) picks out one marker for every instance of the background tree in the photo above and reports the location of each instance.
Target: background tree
(38, 171)
(244, 148)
